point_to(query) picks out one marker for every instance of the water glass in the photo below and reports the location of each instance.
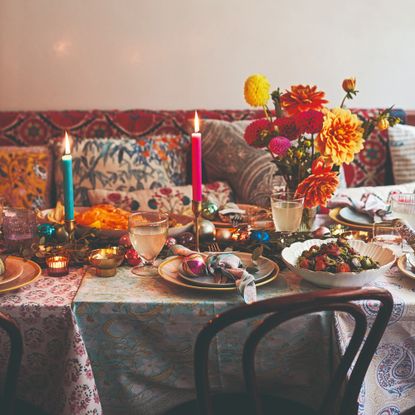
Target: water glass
(148, 234)
(19, 228)
(388, 237)
(403, 207)
(287, 211)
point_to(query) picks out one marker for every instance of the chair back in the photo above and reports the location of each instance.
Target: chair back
(343, 388)
(13, 366)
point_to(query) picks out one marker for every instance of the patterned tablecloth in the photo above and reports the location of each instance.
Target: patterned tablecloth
(389, 386)
(56, 373)
(139, 332)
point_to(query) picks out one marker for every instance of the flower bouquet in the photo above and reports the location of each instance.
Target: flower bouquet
(308, 142)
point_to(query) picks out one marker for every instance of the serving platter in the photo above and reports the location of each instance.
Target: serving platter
(384, 256)
(29, 272)
(250, 210)
(184, 222)
(169, 271)
(265, 268)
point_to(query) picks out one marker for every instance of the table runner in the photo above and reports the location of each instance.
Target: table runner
(140, 331)
(56, 373)
(389, 386)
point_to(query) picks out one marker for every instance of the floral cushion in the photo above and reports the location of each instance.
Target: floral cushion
(25, 176)
(174, 199)
(122, 164)
(226, 155)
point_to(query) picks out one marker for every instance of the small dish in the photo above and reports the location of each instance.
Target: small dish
(106, 260)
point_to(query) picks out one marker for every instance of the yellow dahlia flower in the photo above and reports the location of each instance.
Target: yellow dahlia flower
(341, 136)
(256, 90)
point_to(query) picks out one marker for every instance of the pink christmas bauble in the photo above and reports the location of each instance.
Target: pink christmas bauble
(125, 241)
(132, 257)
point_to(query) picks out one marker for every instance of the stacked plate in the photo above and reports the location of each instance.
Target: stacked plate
(171, 271)
(350, 217)
(19, 272)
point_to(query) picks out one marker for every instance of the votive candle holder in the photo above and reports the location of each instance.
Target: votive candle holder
(58, 265)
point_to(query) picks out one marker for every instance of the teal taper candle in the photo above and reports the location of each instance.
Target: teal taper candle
(68, 181)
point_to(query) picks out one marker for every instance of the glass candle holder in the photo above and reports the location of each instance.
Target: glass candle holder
(19, 228)
(58, 265)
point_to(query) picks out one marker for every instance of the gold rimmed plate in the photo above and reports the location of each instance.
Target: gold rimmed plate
(30, 271)
(336, 217)
(264, 265)
(169, 271)
(14, 270)
(404, 267)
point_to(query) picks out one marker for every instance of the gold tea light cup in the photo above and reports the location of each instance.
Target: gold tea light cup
(106, 260)
(360, 235)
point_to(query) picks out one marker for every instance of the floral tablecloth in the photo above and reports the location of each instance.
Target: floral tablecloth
(56, 373)
(139, 332)
(389, 386)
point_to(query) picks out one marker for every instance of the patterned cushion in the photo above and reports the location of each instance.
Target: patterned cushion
(175, 199)
(122, 164)
(227, 156)
(402, 149)
(25, 176)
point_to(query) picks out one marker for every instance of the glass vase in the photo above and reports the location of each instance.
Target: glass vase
(308, 219)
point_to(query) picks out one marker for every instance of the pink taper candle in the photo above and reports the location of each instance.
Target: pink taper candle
(197, 162)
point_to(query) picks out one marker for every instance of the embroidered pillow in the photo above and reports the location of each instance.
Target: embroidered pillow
(175, 199)
(121, 164)
(227, 156)
(402, 150)
(25, 176)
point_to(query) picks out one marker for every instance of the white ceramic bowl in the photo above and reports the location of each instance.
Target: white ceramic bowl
(384, 256)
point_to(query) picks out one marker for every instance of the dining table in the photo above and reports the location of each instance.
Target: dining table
(123, 345)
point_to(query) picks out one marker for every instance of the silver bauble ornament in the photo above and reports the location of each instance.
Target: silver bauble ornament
(207, 230)
(209, 210)
(61, 234)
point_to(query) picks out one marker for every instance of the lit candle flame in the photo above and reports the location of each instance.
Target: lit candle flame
(67, 147)
(196, 122)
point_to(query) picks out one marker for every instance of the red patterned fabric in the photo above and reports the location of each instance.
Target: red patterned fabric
(34, 128)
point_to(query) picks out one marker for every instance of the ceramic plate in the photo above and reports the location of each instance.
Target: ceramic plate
(335, 215)
(183, 223)
(351, 215)
(30, 271)
(405, 268)
(13, 271)
(384, 256)
(265, 268)
(260, 224)
(169, 271)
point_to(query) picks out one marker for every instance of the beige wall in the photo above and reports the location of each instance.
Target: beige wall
(83, 54)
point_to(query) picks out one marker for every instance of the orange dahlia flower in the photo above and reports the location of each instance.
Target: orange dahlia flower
(302, 98)
(341, 136)
(318, 188)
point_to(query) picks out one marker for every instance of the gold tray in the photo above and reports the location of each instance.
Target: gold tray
(168, 270)
(29, 272)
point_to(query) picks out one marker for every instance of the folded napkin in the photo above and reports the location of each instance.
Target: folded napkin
(369, 204)
(226, 265)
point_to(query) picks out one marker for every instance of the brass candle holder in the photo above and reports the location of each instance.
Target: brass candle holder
(197, 212)
(70, 226)
(106, 260)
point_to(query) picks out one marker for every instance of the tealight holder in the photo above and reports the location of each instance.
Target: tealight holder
(360, 235)
(106, 260)
(58, 265)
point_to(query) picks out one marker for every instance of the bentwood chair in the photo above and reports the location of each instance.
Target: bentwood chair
(9, 405)
(342, 394)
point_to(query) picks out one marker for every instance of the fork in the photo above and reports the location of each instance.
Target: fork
(214, 247)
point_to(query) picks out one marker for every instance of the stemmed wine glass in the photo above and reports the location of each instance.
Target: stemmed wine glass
(148, 234)
(287, 211)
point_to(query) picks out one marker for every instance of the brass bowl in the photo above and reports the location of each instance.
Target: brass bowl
(106, 260)
(359, 235)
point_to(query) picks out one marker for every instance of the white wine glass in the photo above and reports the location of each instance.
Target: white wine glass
(287, 211)
(403, 207)
(148, 234)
